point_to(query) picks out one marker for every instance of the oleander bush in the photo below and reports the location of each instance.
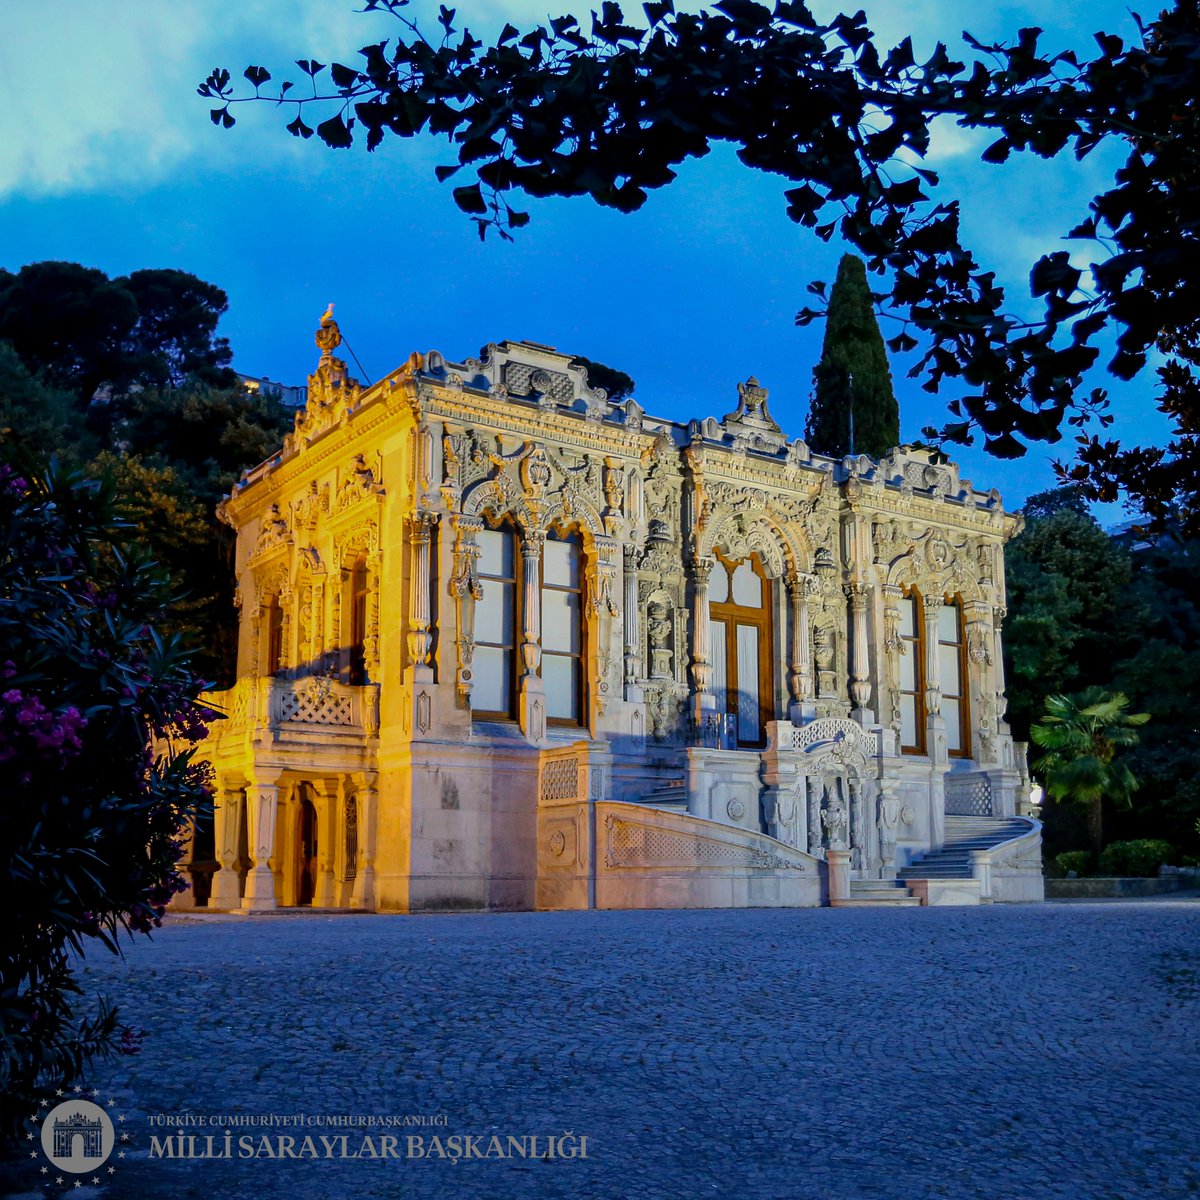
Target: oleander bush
(1138, 858)
(92, 791)
(1079, 861)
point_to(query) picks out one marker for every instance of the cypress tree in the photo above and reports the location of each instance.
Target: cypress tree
(853, 371)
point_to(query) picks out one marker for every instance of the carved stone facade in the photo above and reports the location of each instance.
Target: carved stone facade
(480, 600)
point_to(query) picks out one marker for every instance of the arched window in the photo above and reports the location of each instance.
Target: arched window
(739, 616)
(493, 693)
(912, 673)
(274, 656)
(358, 623)
(952, 667)
(562, 628)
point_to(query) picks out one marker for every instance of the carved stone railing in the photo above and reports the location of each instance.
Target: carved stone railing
(256, 706)
(580, 771)
(1011, 871)
(648, 858)
(783, 735)
(969, 794)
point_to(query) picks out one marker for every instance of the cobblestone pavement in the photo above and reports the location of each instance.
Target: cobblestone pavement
(1032, 1051)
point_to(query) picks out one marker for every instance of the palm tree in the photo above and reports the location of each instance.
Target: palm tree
(1081, 736)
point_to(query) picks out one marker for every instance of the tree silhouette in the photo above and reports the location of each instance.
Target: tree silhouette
(854, 409)
(610, 111)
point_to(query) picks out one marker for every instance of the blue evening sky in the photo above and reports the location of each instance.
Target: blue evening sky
(110, 160)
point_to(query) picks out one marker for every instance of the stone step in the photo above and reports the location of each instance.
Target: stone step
(963, 834)
(970, 843)
(878, 893)
(671, 797)
(983, 823)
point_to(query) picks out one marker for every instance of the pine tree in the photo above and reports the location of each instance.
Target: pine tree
(853, 373)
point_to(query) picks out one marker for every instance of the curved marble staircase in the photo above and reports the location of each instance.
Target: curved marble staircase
(963, 834)
(949, 864)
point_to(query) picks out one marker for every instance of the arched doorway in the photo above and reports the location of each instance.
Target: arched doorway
(306, 849)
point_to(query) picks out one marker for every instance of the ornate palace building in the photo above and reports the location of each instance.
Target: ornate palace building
(506, 643)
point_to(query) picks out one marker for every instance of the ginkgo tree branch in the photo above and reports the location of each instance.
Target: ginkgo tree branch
(611, 112)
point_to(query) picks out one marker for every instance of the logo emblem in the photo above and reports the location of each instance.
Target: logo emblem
(78, 1136)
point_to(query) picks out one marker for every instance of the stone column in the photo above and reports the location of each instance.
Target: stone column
(317, 654)
(466, 590)
(286, 656)
(187, 843)
(933, 670)
(420, 640)
(371, 637)
(857, 829)
(261, 801)
(703, 702)
(893, 646)
(998, 615)
(633, 666)
(888, 820)
(935, 724)
(325, 794)
(813, 794)
(533, 693)
(364, 879)
(858, 593)
(602, 611)
(227, 820)
(799, 588)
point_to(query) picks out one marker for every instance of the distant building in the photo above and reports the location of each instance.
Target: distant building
(294, 397)
(505, 643)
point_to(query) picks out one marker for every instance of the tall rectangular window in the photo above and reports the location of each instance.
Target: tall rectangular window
(912, 674)
(739, 639)
(494, 663)
(562, 628)
(952, 669)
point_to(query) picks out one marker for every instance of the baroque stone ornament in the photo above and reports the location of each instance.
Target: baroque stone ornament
(504, 641)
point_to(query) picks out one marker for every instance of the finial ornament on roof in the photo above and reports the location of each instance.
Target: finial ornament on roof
(751, 424)
(753, 395)
(329, 336)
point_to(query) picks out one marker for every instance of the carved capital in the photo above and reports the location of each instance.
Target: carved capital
(532, 542)
(857, 593)
(420, 525)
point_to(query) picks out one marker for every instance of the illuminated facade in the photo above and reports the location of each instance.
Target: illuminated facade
(506, 643)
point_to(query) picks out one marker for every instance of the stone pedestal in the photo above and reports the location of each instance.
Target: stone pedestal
(838, 862)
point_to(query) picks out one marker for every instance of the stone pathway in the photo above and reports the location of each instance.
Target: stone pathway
(1033, 1051)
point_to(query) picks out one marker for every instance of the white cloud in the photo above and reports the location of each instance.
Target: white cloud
(101, 94)
(86, 93)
